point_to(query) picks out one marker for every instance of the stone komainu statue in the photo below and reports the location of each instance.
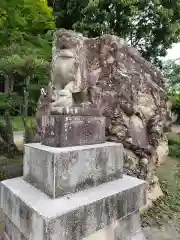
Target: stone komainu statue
(105, 75)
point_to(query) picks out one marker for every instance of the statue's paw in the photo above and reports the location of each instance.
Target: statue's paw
(57, 110)
(86, 104)
(53, 104)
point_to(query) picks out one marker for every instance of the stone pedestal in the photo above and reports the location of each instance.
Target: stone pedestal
(64, 130)
(73, 193)
(31, 214)
(59, 171)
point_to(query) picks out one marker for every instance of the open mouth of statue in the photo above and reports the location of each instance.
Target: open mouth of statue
(66, 54)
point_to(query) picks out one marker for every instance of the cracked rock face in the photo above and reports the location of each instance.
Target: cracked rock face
(128, 91)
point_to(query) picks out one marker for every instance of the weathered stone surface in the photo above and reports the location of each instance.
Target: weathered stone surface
(138, 132)
(12, 231)
(162, 152)
(4, 236)
(58, 171)
(73, 216)
(155, 192)
(127, 90)
(127, 228)
(64, 131)
(131, 164)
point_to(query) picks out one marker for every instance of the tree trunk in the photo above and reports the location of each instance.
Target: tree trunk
(26, 97)
(12, 148)
(6, 85)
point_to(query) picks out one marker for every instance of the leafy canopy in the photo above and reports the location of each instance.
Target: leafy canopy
(25, 47)
(149, 25)
(19, 20)
(172, 72)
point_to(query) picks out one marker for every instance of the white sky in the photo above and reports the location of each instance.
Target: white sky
(173, 53)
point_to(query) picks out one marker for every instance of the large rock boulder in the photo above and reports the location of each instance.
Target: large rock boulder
(134, 103)
(129, 91)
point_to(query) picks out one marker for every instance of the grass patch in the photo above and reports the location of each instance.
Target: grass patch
(18, 124)
(7, 161)
(6, 164)
(167, 206)
(174, 150)
(1, 227)
(174, 145)
(15, 161)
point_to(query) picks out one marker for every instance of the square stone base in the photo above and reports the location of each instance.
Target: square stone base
(74, 216)
(64, 131)
(127, 228)
(4, 236)
(59, 171)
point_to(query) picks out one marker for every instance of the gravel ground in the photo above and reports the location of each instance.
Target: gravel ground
(170, 231)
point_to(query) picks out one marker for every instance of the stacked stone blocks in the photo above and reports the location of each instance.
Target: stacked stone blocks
(73, 192)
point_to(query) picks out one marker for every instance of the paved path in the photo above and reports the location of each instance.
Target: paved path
(18, 137)
(176, 128)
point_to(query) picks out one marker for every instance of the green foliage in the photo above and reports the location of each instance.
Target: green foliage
(4, 98)
(167, 206)
(177, 106)
(174, 150)
(30, 132)
(174, 145)
(9, 99)
(17, 123)
(21, 61)
(27, 69)
(25, 49)
(150, 25)
(174, 141)
(19, 20)
(172, 73)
